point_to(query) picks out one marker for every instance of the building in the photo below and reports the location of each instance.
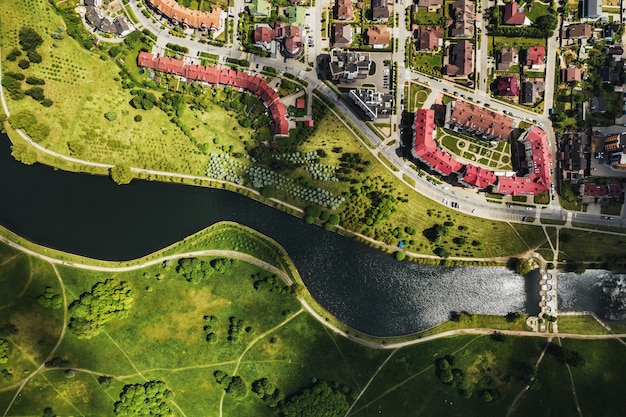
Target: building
(506, 58)
(424, 147)
(538, 159)
(374, 105)
(378, 36)
(508, 86)
(432, 6)
(118, 26)
(342, 36)
(344, 10)
(477, 177)
(380, 11)
(591, 9)
(347, 66)
(612, 73)
(473, 120)
(578, 31)
(609, 31)
(570, 74)
(463, 17)
(177, 14)
(291, 38)
(264, 36)
(571, 155)
(614, 142)
(598, 105)
(530, 91)
(226, 76)
(535, 57)
(460, 59)
(595, 193)
(513, 16)
(122, 26)
(259, 8)
(295, 15)
(429, 38)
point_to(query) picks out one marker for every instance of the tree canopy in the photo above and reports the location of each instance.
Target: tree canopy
(106, 301)
(149, 399)
(318, 401)
(121, 174)
(29, 39)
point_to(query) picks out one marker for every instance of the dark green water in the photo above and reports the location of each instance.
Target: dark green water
(367, 289)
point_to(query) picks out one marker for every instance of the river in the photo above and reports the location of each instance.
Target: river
(363, 287)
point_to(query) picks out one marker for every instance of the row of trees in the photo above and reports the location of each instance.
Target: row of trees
(106, 301)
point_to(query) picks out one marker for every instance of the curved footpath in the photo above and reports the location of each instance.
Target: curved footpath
(307, 306)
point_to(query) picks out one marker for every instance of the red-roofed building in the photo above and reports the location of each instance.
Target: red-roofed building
(512, 16)
(537, 180)
(425, 148)
(478, 121)
(226, 76)
(478, 177)
(535, 56)
(593, 193)
(508, 86)
(212, 20)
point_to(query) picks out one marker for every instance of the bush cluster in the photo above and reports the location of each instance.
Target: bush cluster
(50, 299)
(149, 399)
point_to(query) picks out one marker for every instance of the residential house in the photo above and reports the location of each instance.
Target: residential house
(295, 15)
(513, 16)
(530, 90)
(597, 105)
(177, 14)
(614, 51)
(347, 66)
(612, 73)
(342, 36)
(578, 31)
(595, 193)
(463, 17)
(380, 11)
(122, 26)
(431, 6)
(291, 38)
(508, 86)
(571, 155)
(429, 38)
(259, 8)
(375, 105)
(609, 31)
(460, 59)
(570, 74)
(535, 57)
(591, 9)
(264, 36)
(378, 36)
(506, 58)
(344, 10)
(478, 121)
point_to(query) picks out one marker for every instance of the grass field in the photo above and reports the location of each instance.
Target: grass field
(596, 248)
(580, 325)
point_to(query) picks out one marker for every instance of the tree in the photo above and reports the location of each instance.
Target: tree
(237, 388)
(14, 54)
(138, 118)
(4, 351)
(267, 392)
(110, 116)
(33, 57)
(29, 40)
(149, 399)
(121, 174)
(106, 301)
(318, 401)
(400, 256)
(23, 154)
(23, 63)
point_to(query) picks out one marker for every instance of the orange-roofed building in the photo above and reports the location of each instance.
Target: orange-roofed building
(212, 20)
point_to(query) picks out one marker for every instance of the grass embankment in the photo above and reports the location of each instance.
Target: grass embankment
(164, 338)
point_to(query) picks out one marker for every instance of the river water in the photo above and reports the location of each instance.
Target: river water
(599, 291)
(365, 288)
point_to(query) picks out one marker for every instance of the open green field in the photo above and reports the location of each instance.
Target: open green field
(580, 324)
(596, 247)
(164, 338)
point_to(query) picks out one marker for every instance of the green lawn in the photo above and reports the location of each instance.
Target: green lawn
(580, 325)
(597, 248)
(535, 9)
(427, 62)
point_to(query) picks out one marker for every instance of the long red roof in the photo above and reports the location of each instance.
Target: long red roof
(425, 147)
(226, 76)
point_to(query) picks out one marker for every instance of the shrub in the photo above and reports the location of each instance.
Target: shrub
(237, 388)
(138, 118)
(33, 57)
(35, 81)
(110, 115)
(268, 191)
(29, 39)
(400, 256)
(313, 211)
(309, 219)
(23, 64)
(36, 93)
(14, 54)
(46, 102)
